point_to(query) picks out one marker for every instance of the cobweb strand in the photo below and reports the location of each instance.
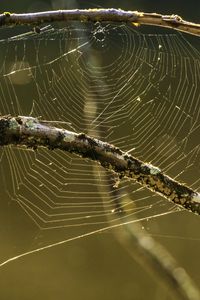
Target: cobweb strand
(99, 15)
(143, 99)
(30, 132)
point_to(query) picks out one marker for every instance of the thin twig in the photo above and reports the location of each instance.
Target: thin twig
(32, 133)
(102, 15)
(153, 256)
(149, 253)
(187, 288)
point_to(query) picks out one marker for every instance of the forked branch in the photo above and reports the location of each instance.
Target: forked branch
(31, 132)
(101, 15)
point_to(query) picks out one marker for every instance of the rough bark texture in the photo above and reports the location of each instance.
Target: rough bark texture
(31, 132)
(100, 15)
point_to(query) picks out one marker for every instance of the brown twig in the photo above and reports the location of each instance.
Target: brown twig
(102, 15)
(30, 132)
(33, 133)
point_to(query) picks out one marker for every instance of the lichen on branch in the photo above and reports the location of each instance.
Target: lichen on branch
(30, 132)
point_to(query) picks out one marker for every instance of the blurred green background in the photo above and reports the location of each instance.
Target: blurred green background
(95, 267)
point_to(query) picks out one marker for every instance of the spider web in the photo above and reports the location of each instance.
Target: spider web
(137, 91)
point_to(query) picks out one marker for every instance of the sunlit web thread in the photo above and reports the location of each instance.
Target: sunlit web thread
(147, 99)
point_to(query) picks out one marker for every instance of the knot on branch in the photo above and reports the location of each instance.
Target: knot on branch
(172, 19)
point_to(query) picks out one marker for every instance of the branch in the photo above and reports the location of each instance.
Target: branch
(31, 132)
(102, 15)
(150, 254)
(158, 261)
